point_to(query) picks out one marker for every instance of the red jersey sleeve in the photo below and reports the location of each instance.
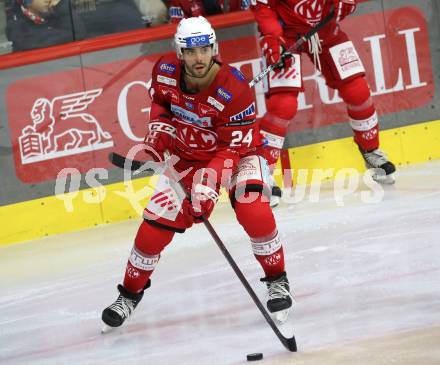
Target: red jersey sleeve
(159, 104)
(267, 18)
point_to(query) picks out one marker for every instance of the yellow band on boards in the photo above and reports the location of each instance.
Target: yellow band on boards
(121, 201)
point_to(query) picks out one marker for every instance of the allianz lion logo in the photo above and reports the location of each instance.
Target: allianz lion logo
(62, 127)
(310, 10)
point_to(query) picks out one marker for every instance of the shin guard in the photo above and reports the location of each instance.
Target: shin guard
(363, 117)
(259, 223)
(149, 243)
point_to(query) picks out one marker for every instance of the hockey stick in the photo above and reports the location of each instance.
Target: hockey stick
(292, 48)
(122, 162)
(289, 343)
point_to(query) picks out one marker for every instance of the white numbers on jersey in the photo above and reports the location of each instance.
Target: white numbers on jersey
(238, 138)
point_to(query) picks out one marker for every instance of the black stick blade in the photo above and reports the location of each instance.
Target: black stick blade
(291, 344)
(120, 161)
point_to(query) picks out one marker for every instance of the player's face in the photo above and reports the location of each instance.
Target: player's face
(197, 60)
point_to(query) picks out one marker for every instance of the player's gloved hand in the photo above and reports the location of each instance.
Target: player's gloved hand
(203, 200)
(272, 48)
(159, 137)
(344, 8)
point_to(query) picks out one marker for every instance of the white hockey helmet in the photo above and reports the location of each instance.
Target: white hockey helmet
(194, 32)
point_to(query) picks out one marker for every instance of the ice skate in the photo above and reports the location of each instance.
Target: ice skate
(116, 314)
(382, 169)
(276, 193)
(280, 299)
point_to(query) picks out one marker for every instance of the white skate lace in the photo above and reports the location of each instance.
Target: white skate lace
(278, 290)
(315, 49)
(375, 158)
(122, 306)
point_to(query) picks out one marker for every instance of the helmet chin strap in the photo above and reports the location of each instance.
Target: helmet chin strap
(200, 77)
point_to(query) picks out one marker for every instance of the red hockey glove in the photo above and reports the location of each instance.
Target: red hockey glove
(203, 200)
(272, 48)
(159, 137)
(344, 8)
(204, 193)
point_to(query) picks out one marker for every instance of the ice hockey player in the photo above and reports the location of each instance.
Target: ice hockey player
(203, 112)
(281, 23)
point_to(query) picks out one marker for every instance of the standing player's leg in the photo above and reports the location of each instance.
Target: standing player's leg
(250, 200)
(344, 71)
(364, 122)
(163, 217)
(282, 91)
(145, 254)
(281, 109)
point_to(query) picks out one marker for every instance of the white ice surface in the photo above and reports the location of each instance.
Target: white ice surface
(358, 271)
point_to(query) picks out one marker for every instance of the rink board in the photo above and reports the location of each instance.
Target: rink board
(120, 201)
(406, 145)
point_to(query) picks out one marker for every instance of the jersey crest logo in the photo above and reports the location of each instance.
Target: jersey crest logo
(309, 10)
(197, 138)
(62, 126)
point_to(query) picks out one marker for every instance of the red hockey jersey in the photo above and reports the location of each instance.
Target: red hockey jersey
(289, 17)
(179, 9)
(220, 118)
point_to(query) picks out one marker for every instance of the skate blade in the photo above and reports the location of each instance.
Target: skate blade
(106, 329)
(281, 316)
(381, 178)
(274, 201)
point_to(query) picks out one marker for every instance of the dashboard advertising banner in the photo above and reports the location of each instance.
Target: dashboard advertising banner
(74, 118)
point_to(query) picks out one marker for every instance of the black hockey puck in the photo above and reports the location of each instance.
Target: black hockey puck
(254, 357)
